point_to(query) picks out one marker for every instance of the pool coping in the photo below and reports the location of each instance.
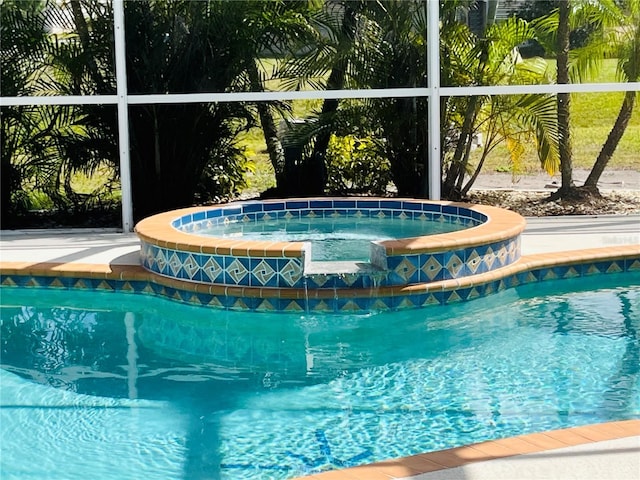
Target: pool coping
(157, 230)
(415, 465)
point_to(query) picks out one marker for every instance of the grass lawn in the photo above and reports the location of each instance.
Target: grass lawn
(592, 116)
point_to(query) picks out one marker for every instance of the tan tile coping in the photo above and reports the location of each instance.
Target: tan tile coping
(501, 225)
(480, 452)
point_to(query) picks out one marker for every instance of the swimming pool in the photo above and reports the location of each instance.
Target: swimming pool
(123, 386)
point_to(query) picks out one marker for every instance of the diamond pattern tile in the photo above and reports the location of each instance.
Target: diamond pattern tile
(405, 269)
(291, 273)
(264, 273)
(454, 265)
(212, 270)
(431, 268)
(174, 264)
(190, 267)
(237, 271)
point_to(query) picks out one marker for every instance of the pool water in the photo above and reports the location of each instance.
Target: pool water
(332, 239)
(118, 386)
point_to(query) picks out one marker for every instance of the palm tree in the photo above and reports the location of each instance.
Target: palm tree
(368, 45)
(626, 44)
(183, 153)
(326, 63)
(564, 99)
(576, 64)
(30, 135)
(494, 60)
(275, 29)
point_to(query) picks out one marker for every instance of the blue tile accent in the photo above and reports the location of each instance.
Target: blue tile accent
(227, 212)
(344, 204)
(252, 207)
(367, 204)
(320, 204)
(214, 213)
(431, 207)
(297, 205)
(390, 204)
(450, 210)
(270, 207)
(411, 206)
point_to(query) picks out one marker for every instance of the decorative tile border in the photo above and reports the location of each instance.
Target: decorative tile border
(134, 279)
(171, 246)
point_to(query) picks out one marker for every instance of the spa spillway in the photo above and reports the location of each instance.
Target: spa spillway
(206, 250)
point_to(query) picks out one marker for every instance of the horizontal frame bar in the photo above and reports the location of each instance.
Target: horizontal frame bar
(155, 99)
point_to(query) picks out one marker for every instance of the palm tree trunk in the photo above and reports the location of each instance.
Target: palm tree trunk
(85, 40)
(316, 180)
(564, 99)
(269, 129)
(613, 139)
(458, 166)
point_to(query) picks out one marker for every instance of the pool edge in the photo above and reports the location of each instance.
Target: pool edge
(533, 443)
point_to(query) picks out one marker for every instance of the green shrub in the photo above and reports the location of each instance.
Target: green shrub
(355, 165)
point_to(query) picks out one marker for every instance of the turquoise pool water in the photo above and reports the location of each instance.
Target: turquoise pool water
(117, 386)
(332, 239)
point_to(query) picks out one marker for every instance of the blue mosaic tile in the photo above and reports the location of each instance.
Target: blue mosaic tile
(449, 210)
(290, 273)
(270, 207)
(452, 263)
(528, 277)
(101, 284)
(632, 265)
(230, 211)
(431, 207)
(390, 204)
(297, 205)
(411, 206)
(290, 305)
(318, 305)
(138, 285)
(367, 204)
(480, 217)
(316, 281)
(214, 213)
(252, 208)
(320, 204)
(344, 204)
(349, 280)
(212, 271)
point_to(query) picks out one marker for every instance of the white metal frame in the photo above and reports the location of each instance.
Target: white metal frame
(432, 91)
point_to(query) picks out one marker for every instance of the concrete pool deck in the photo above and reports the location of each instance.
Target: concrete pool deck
(600, 452)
